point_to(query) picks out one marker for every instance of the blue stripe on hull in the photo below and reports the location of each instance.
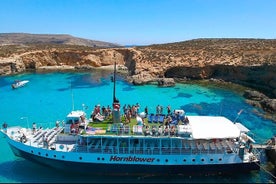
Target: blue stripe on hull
(123, 169)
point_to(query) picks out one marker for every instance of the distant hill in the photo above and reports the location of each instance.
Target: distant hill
(60, 39)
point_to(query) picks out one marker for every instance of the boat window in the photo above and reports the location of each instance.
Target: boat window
(80, 158)
(69, 121)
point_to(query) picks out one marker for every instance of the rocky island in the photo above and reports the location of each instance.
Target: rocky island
(247, 62)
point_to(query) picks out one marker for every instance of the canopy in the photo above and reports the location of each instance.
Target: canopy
(213, 127)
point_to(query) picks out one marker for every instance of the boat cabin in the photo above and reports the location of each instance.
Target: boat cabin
(74, 121)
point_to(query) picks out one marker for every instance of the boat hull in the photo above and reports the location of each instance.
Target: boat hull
(19, 84)
(136, 169)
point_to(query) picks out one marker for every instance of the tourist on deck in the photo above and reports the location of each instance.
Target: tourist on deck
(154, 131)
(125, 109)
(161, 110)
(5, 126)
(109, 111)
(72, 128)
(172, 133)
(137, 107)
(34, 127)
(146, 111)
(169, 120)
(169, 109)
(103, 109)
(23, 137)
(134, 110)
(57, 124)
(147, 131)
(82, 119)
(139, 120)
(166, 131)
(45, 142)
(128, 116)
(98, 117)
(186, 120)
(158, 109)
(250, 148)
(160, 130)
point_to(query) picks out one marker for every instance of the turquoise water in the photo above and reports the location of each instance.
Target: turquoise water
(50, 96)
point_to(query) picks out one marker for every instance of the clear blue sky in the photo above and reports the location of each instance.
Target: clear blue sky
(141, 22)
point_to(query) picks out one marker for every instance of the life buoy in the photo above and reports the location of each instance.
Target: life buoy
(61, 146)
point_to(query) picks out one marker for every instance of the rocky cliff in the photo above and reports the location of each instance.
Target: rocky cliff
(250, 62)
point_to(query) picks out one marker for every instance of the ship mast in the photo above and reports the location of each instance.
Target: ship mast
(116, 104)
(114, 85)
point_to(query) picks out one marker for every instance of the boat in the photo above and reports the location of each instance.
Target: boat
(18, 83)
(152, 145)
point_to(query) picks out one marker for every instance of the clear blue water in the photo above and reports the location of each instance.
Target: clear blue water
(50, 96)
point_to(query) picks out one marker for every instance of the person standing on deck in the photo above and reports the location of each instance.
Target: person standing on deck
(5, 126)
(34, 127)
(146, 111)
(169, 109)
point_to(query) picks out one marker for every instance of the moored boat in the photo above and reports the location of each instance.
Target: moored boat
(18, 83)
(173, 143)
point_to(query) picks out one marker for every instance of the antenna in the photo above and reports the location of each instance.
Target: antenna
(239, 113)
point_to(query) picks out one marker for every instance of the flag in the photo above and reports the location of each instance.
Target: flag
(239, 113)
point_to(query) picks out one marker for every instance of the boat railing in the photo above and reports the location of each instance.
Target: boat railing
(149, 150)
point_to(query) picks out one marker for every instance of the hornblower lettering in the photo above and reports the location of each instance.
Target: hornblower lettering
(131, 159)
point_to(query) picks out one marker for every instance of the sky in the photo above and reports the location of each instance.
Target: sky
(141, 22)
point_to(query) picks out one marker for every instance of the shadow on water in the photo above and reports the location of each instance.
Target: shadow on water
(183, 95)
(89, 80)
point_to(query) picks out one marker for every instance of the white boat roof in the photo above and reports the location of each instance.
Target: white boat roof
(76, 113)
(242, 127)
(212, 127)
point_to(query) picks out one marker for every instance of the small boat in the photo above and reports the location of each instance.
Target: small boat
(190, 144)
(18, 83)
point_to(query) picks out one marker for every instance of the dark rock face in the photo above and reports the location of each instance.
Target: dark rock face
(260, 100)
(165, 82)
(262, 78)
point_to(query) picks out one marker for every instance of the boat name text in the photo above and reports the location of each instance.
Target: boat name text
(131, 159)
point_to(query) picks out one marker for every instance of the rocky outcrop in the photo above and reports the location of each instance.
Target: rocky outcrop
(11, 65)
(258, 99)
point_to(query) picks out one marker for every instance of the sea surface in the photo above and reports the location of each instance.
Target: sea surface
(51, 96)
